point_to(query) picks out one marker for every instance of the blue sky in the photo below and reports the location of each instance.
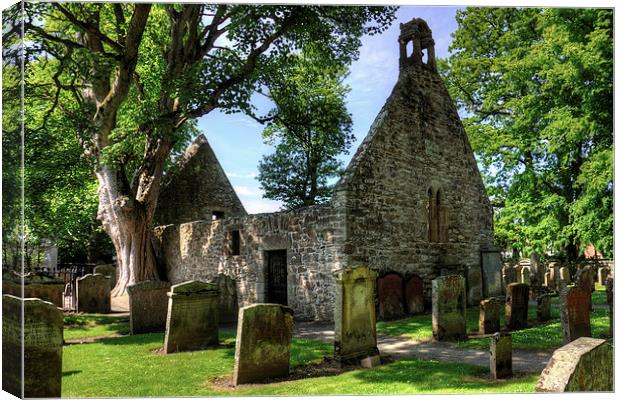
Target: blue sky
(236, 139)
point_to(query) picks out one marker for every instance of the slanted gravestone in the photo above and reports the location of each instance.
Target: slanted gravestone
(501, 355)
(489, 316)
(414, 295)
(491, 273)
(192, 322)
(583, 365)
(355, 335)
(32, 341)
(93, 294)
(565, 275)
(263, 347)
(609, 291)
(148, 306)
(449, 303)
(108, 270)
(390, 296)
(543, 307)
(517, 297)
(574, 313)
(603, 272)
(229, 304)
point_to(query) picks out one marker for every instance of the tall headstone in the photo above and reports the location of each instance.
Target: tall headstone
(501, 355)
(548, 281)
(390, 296)
(148, 306)
(525, 276)
(108, 270)
(509, 275)
(229, 304)
(603, 272)
(263, 348)
(32, 341)
(517, 297)
(192, 322)
(543, 307)
(489, 316)
(585, 280)
(93, 294)
(354, 315)
(583, 365)
(414, 295)
(575, 313)
(449, 304)
(565, 275)
(491, 273)
(473, 285)
(554, 275)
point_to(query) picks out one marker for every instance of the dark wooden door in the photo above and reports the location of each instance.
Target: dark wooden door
(276, 277)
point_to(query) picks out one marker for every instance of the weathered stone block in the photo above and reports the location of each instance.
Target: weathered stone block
(525, 276)
(414, 295)
(517, 297)
(370, 362)
(501, 355)
(93, 294)
(192, 322)
(390, 296)
(585, 364)
(491, 273)
(565, 275)
(474, 285)
(575, 313)
(354, 317)
(489, 316)
(108, 270)
(229, 303)
(148, 306)
(264, 334)
(32, 340)
(449, 308)
(543, 307)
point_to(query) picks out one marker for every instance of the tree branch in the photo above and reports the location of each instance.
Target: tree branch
(89, 28)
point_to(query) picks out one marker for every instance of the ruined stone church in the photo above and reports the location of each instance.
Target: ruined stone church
(411, 206)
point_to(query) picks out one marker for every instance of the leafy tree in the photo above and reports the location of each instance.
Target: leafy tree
(536, 86)
(138, 75)
(311, 126)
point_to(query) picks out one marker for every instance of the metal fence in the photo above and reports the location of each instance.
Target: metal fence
(68, 273)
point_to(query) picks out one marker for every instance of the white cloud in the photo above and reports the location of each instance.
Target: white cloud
(248, 191)
(261, 206)
(250, 175)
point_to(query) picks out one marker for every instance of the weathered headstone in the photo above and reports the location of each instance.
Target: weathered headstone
(585, 280)
(548, 281)
(518, 273)
(449, 303)
(148, 306)
(93, 294)
(491, 273)
(565, 275)
(603, 272)
(574, 313)
(489, 316)
(509, 275)
(517, 297)
(32, 340)
(47, 291)
(414, 295)
(108, 270)
(192, 322)
(390, 296)
(229, 304)
(585, 364)
(355, 335)
(543, 307)
(554, 275)
(473, 285)
(263, 347)
(525, 276)
(501, 355)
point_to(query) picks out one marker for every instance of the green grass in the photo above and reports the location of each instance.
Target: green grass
(599, 296)
(128, 367)
(79, 326)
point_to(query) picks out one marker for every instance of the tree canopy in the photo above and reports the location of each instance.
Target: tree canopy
(536, 87)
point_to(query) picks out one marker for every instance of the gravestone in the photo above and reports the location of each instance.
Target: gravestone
(192, 322)
(489, 316)
(548, 281)
(609, 291)
(32, 341)
(108, 270)
(229, 304)
(575, 313)
(518, 274)
(390, 296)
(449, 307)
(584, 278)
(525, 276)
(565, 275)
(554, 275)
(263, 348)
(509, 275)
(93, 294)
(585, 364)
(517, 297)
(491, 273)
(603, 272)
(148, 306)
(355, 335)
(51, 291)
(501, 355)
(543, 307)
(414, 295)
(473, 285)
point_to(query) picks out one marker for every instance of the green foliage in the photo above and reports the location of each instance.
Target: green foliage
(536, 87)
(310, 126)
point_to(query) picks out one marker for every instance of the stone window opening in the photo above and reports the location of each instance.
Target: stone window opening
(217, 215)
(235, 243)
(422, 48)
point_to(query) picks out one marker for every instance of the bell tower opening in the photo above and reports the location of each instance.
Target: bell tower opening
(422, 49)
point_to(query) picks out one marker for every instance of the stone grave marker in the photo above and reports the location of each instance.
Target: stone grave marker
(51, 291)
(585, 280)
(509, 275)
(355, 335)
(501, 355)
(491, 273)
(517, 297)
(547, 281)
(574, 313)
(473, 285)
(192, 321)
(40, 331)
(263, 348)
(543, 307)
(603, 272)
(148, 306)
(554, 273)
(489, 316)
(414, 295)
(585, 364)
(108, 270)
(525, 276)
(390, 296)
(449, 304)
(93, 294)
(229, 304)
(565, 275)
